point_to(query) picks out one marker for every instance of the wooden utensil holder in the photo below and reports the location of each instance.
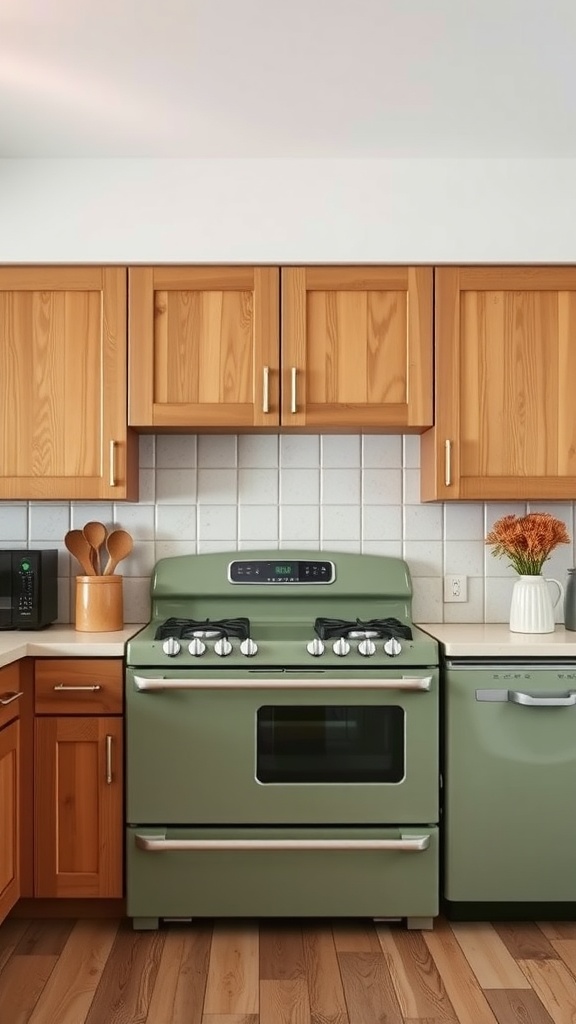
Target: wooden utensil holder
(99, 604)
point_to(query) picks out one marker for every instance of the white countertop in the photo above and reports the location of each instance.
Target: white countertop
(494, 640)
(63, 642)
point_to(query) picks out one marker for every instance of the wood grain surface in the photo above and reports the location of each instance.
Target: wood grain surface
(294, 971)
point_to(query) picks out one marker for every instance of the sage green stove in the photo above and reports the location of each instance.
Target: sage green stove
(282, 741)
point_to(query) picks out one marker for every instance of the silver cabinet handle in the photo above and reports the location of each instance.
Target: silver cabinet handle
(109, 760)
(159, 844)
(448, 463)
(408, 683)
(7, 698)
(112, 480)
(526, 699)
(293, 385)
(266, 389)
(60, 687)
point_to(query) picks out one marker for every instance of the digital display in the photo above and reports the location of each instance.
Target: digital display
(266, 571)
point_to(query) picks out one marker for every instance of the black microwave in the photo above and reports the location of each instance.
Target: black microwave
(28, 588)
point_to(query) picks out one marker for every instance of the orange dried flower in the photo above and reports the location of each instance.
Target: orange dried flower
(527, 541)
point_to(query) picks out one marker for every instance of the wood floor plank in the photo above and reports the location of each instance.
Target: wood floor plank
(232, 983)
(555, 986)
(355, 937)
(45, 937)
(419, 988)
(517, 1006)
(487, 955)
(327, 1002)
(368, 989)
(558, 929)
(11, 933)
(69, 991)
(566, 950)
(125, 989)
(178, 994)
(21, 985)
(463, 989)
(281, 950)
(525, 940)
(230, 1018)
(284, 1002)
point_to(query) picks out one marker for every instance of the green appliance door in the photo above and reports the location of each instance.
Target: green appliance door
(510, 782)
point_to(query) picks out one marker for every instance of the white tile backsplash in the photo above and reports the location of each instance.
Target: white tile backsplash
(331, 492)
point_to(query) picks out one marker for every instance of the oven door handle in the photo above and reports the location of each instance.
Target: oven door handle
(159, 844)
(406, 683)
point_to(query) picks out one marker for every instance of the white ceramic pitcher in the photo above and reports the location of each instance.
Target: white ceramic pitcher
(532, 607)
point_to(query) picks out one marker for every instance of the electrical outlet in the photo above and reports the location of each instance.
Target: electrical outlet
(455, 588)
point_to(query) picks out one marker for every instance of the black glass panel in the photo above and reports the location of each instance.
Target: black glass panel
(340, 743)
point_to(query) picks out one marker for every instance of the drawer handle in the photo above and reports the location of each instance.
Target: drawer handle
(293, 386)
(528, 700)
(108, 760)
(448, 463)
(92, 689)
(266, 390)
(159, 844)
(7, 698)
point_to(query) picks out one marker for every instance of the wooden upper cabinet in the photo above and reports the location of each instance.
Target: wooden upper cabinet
(505, 418)
(357, 348)
(204, 347)
(350, 350)
(63, 384)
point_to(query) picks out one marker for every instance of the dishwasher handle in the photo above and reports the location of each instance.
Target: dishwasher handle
(528, 700)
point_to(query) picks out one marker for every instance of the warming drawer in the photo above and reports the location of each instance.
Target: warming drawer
(168, 877)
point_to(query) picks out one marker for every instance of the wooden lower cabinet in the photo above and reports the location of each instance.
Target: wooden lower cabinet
(78, 806)
(9, 817)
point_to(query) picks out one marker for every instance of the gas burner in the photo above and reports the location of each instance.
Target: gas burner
(328, 628)
(187, 629)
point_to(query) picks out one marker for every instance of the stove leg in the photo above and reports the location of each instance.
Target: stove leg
(421, 923)
(141, 924)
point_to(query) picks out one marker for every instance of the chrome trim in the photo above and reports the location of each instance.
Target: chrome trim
(266, 389)
(112, 461)
(293, 402)
(10, 697)
(527, 699)
(405, 684)
(60, 687)
(109, 760)
(159, 844)
(448, 463)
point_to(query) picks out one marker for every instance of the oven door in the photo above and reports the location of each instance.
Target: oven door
(281, 747)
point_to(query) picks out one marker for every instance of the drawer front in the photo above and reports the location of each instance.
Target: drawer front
(290, 882)
(78, 686)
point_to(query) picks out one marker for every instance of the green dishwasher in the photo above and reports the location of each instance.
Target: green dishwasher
(509, 810)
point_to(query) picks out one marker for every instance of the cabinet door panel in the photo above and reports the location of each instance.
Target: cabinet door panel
(9, 818)
(62, 368)
(357, 347)
(505, 366)
(78, 807)
(201, 341)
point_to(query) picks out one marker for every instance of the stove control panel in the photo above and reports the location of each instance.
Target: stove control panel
(281, 572)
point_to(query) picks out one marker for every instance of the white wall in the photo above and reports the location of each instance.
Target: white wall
(279, 211)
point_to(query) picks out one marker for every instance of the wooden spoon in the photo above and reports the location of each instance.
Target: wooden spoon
(95, 534)
(78, 546)
(119, 544)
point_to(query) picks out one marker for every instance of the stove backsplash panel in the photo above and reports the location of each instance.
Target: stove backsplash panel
(343, 493)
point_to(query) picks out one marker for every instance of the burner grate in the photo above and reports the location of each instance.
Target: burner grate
(326, 629)
(185, 629)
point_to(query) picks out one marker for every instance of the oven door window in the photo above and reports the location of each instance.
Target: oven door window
(342, 743)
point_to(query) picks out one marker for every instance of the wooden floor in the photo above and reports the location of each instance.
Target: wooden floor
(303, 972)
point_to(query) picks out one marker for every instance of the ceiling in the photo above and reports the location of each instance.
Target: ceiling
(305, 78)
